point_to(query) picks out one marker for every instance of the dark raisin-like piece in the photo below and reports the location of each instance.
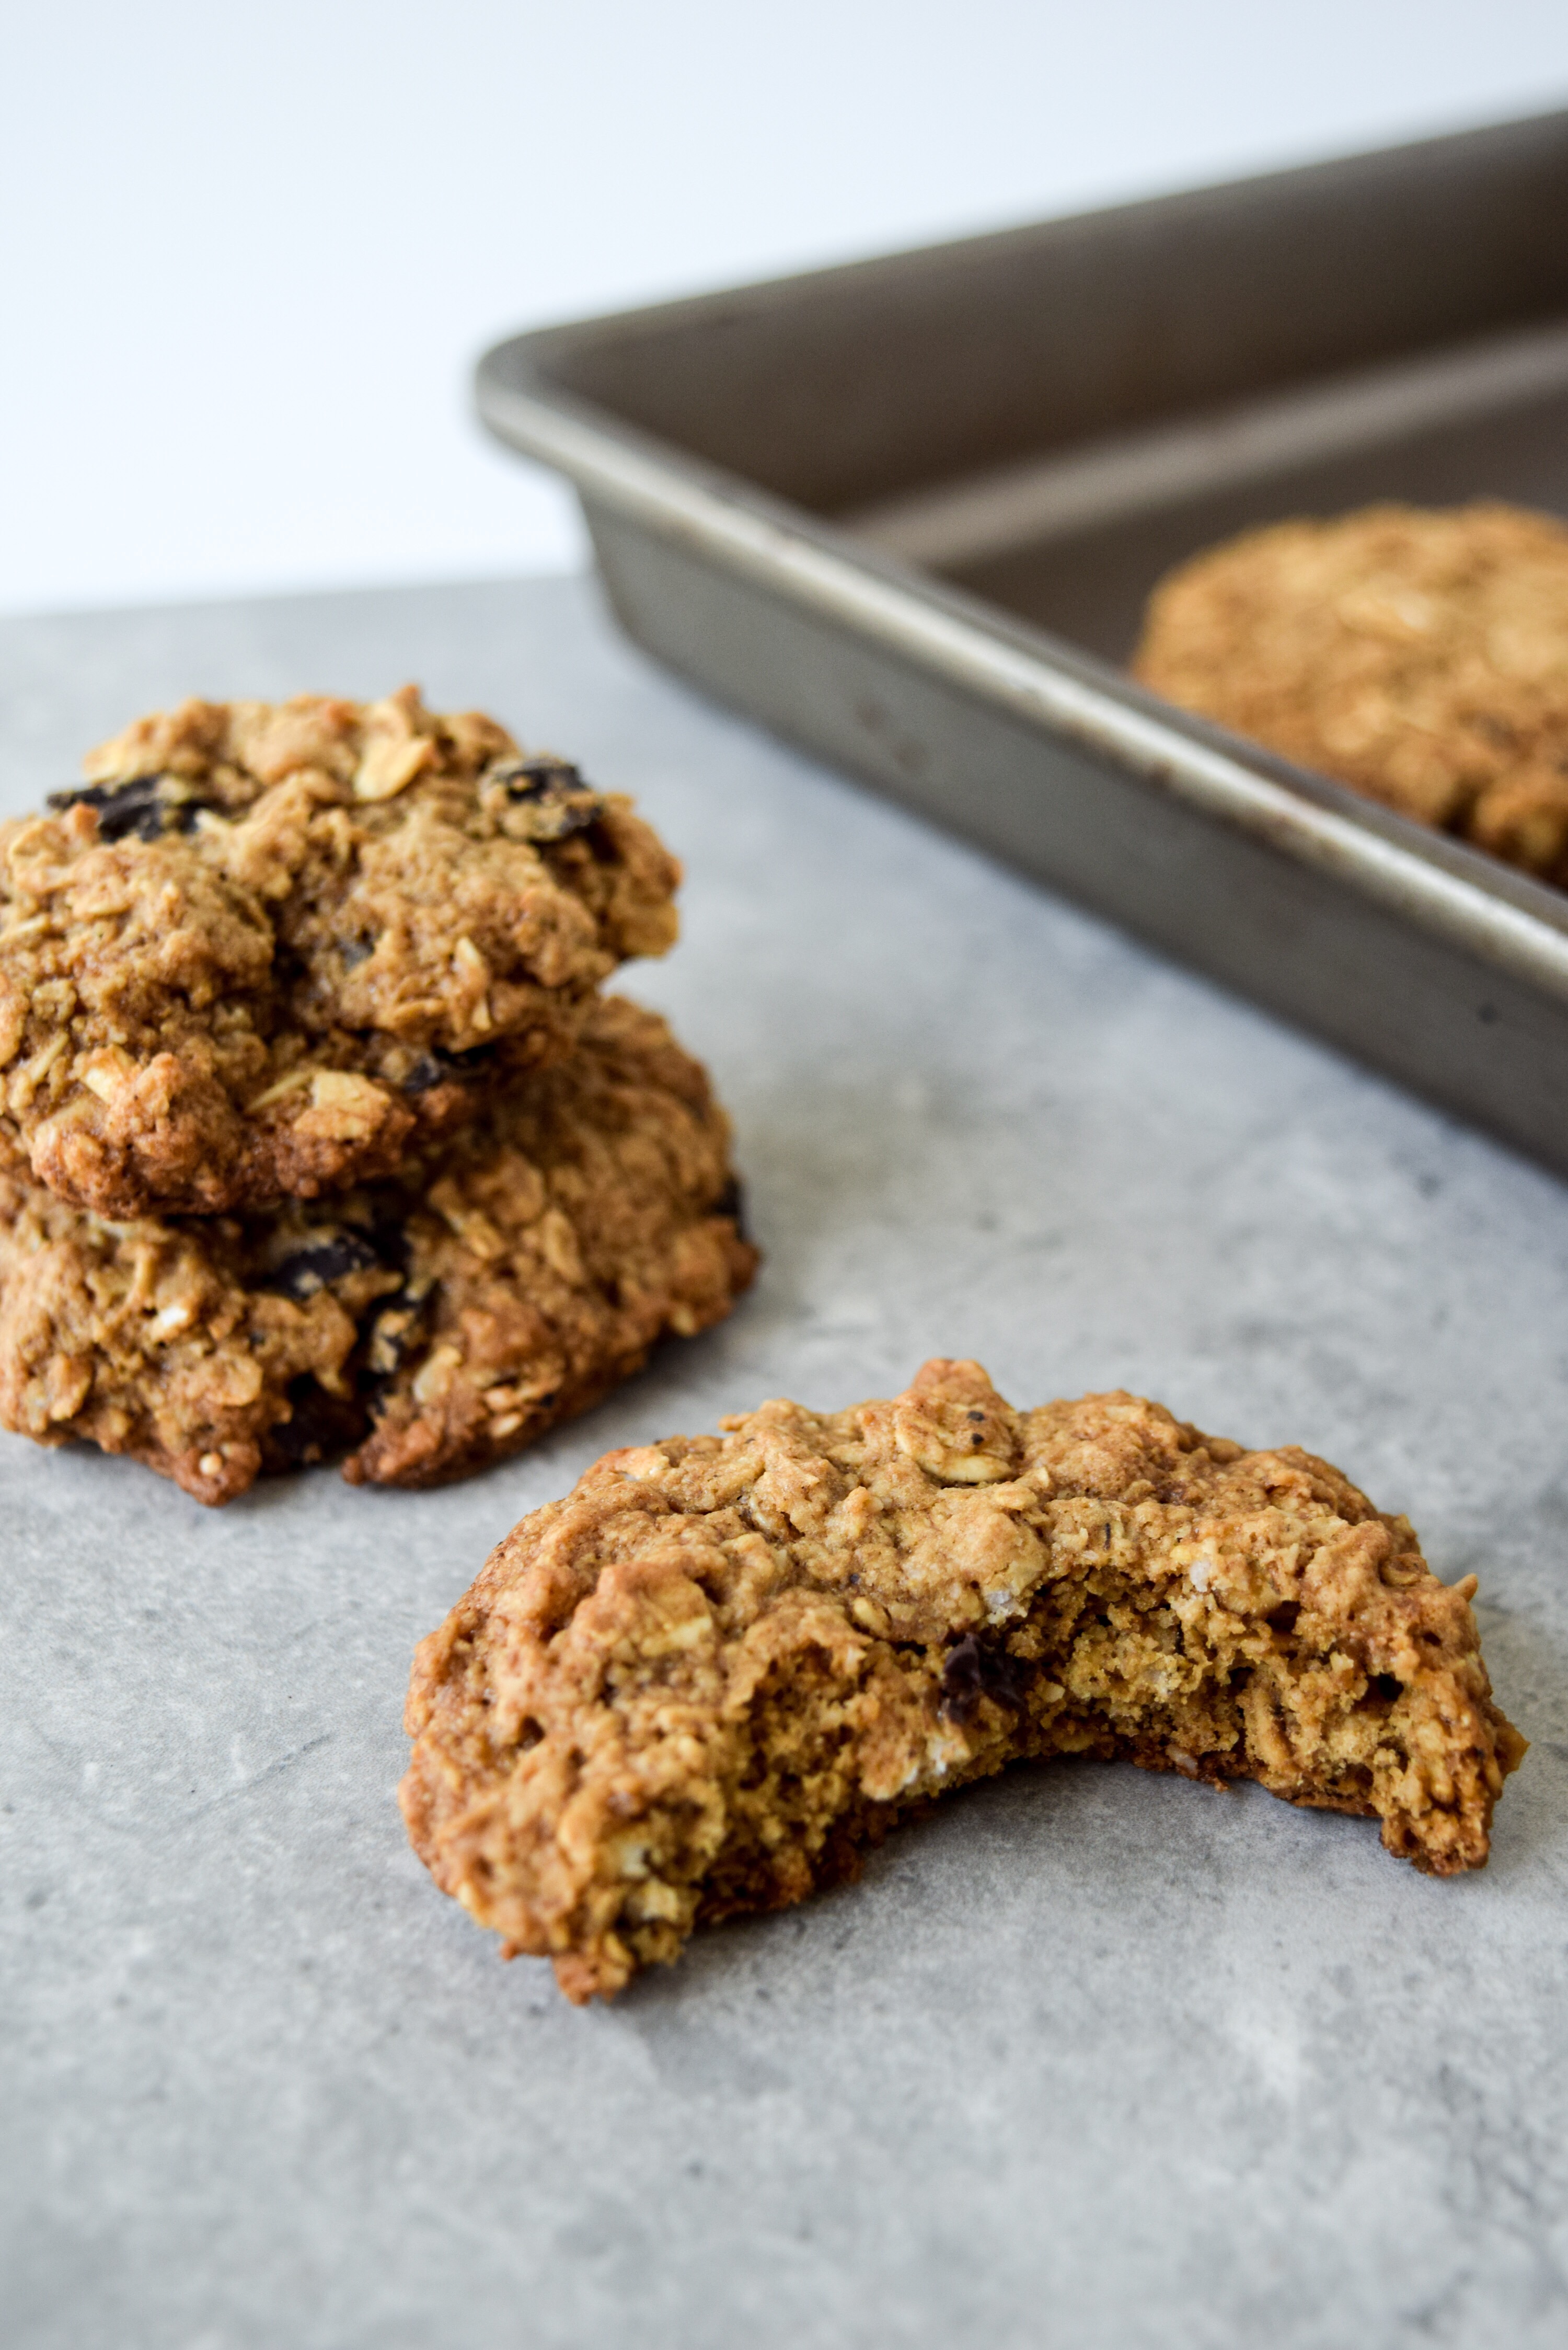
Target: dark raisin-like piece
(305, 1269)
(553, 791)
(1388, 1685)
(396, 1328)
(391, 1236)
(1284, 1616)
(973, 1671)
(319, 1428)
(732, 1203)
(530, 779)
(438, 1069)
(146, 807)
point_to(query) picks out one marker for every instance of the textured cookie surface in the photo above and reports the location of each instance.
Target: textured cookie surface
(424, 1326)
(723, 1665)
(266, 949)
(1421, 657)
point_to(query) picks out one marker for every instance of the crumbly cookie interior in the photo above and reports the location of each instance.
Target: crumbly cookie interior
(707, 1680)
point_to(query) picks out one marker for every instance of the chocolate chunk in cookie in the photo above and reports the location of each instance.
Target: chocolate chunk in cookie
(724, 1664)
(422, 1327)
(267, 951)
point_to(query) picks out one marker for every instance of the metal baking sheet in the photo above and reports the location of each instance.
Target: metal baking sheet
(907, 514)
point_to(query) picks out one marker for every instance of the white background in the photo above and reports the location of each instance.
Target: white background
(250, 252)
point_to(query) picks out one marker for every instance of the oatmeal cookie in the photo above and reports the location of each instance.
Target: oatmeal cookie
(724, 1666)
(1419, 657)
(425, 1326)
(264, 951)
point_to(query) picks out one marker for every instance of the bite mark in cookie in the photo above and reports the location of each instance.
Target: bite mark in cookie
(265, 949)
(707, 1680)
(425, 1327)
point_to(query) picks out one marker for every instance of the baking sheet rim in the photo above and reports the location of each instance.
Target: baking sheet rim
(935, 627)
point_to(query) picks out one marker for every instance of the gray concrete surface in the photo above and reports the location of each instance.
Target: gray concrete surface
(1094, 2058)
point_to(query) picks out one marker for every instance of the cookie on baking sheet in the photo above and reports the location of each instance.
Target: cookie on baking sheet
(265, 950)
(1421, 657)
(723, 1665)
(425, 1326)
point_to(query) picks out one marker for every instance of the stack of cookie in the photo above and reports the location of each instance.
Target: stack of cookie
(317, 1138)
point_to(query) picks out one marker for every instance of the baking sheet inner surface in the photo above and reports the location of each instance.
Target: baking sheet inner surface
(1075, 543)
